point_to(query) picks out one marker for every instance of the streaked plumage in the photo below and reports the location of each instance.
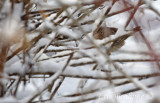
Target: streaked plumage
(103, 32)
(118, 43)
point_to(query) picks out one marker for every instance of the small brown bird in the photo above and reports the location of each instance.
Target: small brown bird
(118, 43)
(103, 32)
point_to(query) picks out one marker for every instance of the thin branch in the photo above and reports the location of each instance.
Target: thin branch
(54, 78)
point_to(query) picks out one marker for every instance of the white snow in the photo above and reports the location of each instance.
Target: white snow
(50, 66)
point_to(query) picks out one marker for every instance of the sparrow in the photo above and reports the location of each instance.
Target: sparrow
(117, 43)
(103, 32)
(120, 41)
